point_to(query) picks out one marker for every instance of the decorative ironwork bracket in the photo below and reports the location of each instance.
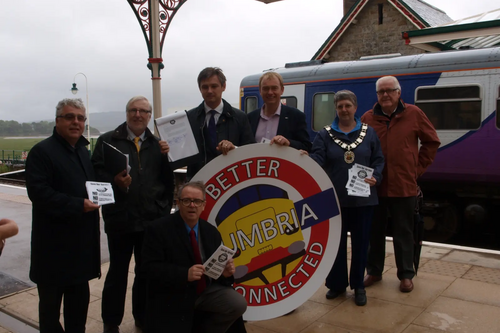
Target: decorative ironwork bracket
(166, 11)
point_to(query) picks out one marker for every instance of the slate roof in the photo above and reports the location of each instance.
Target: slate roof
(419, 12)
(431, 15)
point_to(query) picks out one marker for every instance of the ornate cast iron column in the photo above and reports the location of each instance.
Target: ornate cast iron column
(155, 16)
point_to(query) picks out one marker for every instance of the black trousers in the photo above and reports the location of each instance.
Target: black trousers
(358, 221)
(121, 247)
(401, 211)
(76, 305)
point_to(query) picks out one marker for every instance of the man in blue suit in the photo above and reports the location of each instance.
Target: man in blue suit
(276, 122)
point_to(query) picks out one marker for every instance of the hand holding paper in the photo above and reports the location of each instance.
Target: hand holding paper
(123, 180)
(175, 130)
(89, 206)
(99, 194)
(356, 184)
(230, 269)
(219, 263)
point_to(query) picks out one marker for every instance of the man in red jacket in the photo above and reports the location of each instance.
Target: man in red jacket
(399, 126)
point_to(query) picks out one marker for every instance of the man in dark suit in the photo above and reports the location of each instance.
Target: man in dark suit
(65, 236)
(217, 127)
(276, 122)
(174, 249)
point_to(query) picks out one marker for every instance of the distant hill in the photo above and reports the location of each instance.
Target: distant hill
(107, 121)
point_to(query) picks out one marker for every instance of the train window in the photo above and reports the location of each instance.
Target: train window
(251, 103)
(451, 107)
(323, 110)
(289, 101)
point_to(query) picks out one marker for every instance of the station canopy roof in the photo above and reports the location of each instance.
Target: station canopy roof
(268, 1)
(478, 31)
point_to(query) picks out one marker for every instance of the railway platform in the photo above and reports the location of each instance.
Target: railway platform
(457, 289)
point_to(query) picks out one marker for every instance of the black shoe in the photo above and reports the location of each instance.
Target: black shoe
(360, 297)
(111, 328)
(331, 294)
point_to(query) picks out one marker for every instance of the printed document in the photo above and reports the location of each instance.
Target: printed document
(356, 185)
(176, 131)
(215, 265)
(100, 193)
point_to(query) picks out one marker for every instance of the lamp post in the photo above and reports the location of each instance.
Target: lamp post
(155, 16)
(74, 90)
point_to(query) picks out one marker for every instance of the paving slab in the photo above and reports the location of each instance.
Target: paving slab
(473, 258)
(441, 267)
(303, 316)
(378, 316)
(474, 291)
(426, 288)
(453, 315)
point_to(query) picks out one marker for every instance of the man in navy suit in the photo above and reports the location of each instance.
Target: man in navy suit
(180, 298)
(276, 122)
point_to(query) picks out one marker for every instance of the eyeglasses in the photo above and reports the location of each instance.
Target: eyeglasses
(141, 111)
(72, 116)
(187, 202)
(387, 91)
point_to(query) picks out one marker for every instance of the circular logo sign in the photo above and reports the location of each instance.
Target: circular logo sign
(278, 210)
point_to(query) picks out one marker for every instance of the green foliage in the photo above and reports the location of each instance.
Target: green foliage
(41, 128)
(5, 168)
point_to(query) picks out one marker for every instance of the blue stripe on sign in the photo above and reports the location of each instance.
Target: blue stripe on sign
(321, 207)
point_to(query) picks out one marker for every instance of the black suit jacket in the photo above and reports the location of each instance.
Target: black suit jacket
(167, 257)
(292, 125)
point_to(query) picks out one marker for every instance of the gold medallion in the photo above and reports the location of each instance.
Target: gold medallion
(349, 157)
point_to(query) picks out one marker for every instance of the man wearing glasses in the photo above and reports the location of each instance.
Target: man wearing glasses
(65, 242)
(142, 194)
(175, 248)
(399, 126)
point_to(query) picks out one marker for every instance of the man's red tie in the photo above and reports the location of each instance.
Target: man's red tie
(202, 283)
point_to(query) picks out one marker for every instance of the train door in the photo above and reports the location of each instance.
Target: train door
(250, 99)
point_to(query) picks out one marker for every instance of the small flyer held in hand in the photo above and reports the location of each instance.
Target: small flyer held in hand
(215, 265)
(100, 193)
(356, 185)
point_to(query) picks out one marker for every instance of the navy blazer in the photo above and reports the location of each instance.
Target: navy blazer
(292, 125)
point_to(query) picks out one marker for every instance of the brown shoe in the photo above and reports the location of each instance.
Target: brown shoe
(371, 279)
(406, 285)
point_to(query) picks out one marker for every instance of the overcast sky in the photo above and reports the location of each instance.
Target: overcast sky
(45, 43)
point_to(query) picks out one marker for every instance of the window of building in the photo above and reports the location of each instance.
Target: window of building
(251, 103)
(289, 101)
(451, 107)
(324, 111)
(380, 13)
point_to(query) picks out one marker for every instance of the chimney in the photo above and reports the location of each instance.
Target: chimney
(347, 5)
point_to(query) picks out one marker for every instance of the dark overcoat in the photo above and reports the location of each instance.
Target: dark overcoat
(167, 257)
(65, 241)
(232, 126)
(149, 196)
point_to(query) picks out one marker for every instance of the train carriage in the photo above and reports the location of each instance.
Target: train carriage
(460, 93)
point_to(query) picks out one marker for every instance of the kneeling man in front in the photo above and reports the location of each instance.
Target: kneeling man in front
(174, 250)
